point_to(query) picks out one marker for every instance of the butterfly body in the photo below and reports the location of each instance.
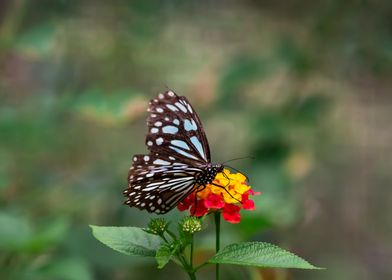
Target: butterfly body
(209, 174)
(179, 161)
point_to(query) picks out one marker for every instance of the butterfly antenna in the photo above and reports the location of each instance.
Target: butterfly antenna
(225, 175)
(237, 159)
(246, 176)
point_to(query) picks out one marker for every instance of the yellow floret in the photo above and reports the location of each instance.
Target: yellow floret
(236, 187)
(241, 188)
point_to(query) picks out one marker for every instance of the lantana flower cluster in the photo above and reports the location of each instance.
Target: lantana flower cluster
(230, 198)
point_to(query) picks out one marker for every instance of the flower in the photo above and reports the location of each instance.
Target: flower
(190, 225)
(231, 213)
(157, 226)
(230, 198)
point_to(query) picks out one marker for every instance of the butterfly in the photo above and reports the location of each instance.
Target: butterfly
(179, 161)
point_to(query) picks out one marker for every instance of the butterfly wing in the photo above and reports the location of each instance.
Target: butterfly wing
(174, 129)
(158, 186)
(178, 152)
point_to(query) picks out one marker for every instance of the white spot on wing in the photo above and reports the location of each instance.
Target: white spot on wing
(154, 130)
(180, 143)
(182, 107)
(171, 107)
(195, 141)
(161, 162)
(176, 122)
(170, 129)
(159, 141)
(158, 123)
(146, 158)
(159, 110)
(170, 93)
(149, 143)
(190, 125)
(182, 152)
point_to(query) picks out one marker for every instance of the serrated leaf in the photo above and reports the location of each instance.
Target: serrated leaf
(259, 254)
(131, 241)
(163, 255)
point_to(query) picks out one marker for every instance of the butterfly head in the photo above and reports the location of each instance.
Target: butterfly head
(217, 167)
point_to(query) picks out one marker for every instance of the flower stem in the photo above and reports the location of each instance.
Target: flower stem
(191, 253)
(187, 267)
(217, 240)
(192, 276)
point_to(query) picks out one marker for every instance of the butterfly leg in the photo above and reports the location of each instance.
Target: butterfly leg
(226, 191)
(197, 190)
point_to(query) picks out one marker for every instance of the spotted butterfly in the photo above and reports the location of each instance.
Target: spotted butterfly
(179, 161)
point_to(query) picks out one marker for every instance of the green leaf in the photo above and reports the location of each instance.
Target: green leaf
(163, 255)
(131, 241)
(259, 254)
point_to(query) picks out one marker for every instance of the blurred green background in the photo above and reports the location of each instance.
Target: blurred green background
(302, 86)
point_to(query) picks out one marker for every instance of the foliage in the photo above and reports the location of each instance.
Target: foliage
(259, 254)
(166, 246)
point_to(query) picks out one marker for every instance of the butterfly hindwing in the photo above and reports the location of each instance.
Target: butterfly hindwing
(157, 185)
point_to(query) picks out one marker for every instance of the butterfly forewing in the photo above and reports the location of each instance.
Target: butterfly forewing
(175, 129)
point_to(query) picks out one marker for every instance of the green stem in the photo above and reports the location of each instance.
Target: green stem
(200, 266)
(192, 275)
(217, 240)
(172, 235)
(164, 238)
(191, 254)
(189, 268)
(181, 258)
